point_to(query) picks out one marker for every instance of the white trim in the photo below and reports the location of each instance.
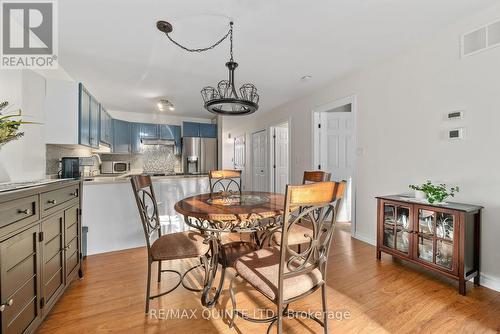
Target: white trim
(315, 142)
(489, 282)
(364, 238)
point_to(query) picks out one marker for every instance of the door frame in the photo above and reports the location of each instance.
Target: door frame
(252, 156)
(315, 141)
(271, 152)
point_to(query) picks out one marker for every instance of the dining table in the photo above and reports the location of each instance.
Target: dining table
(233, 212)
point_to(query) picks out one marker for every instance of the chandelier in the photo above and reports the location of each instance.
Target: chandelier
(223, 100)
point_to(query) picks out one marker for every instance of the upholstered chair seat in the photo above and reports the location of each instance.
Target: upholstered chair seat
(179, 245)
(261, 270)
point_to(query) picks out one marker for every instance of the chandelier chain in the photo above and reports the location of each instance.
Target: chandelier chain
(228, 34)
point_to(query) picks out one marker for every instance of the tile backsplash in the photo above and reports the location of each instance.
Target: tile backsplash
(154, 159)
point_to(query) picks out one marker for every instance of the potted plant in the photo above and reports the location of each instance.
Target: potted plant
(435, 193)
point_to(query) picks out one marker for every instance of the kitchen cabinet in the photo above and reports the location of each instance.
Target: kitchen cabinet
(149, 131)
(208, 130)
(135, 139)
(203, 130)
(73, 116)
(89, 119)
(39, 252)
(20, 281)
(106, 128)
(190, 129)
(442, 238)
(121, 136)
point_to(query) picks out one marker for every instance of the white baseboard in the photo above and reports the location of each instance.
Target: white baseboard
(489, 282)
(365, 238)
(485, 280)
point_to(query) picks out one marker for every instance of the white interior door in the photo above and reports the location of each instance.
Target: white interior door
(239, 156)
(281, 159)
(336, 151)
(259, 161)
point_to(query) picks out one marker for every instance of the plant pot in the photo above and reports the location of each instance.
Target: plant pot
(420, 195)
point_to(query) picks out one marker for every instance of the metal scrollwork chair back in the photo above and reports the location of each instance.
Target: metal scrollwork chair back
(225, 182)
(148, 207)
(319, 203)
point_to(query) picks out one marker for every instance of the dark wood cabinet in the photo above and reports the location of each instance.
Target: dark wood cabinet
(443, 238)
(39, 251)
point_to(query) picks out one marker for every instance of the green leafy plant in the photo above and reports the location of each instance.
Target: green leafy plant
(9, 125)
(436, 193)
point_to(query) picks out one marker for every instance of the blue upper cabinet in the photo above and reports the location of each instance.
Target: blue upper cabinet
(190, 129)
(84, 116)
(135, 138)
(149, 131)
(204, 130)
(208, 130)
(121, 136)
(89, 118)
(106, 132)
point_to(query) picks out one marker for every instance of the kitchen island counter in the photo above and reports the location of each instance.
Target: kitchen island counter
(111, 215)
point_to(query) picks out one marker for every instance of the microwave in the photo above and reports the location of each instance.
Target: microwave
(115, 167)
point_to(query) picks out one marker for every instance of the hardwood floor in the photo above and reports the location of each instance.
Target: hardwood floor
(386, 296)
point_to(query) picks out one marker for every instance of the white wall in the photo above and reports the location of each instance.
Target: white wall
(401, 107)
(24, 159)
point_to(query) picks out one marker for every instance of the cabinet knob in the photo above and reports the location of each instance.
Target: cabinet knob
(75, 194)
(52, 201)
(4, 305)
(25, 211)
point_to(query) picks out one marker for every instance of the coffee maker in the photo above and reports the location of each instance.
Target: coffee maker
(70, 168)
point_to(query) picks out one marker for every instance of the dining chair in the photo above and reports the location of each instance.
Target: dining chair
(227, 182)
(280, 273)
(174, 246)
(300, 232)
(224, 182)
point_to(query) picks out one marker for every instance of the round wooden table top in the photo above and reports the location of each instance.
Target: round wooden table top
(251, 205)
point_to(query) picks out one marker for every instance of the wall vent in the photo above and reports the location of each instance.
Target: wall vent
(480, 39)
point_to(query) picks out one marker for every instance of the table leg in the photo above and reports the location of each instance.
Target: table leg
(216, 257)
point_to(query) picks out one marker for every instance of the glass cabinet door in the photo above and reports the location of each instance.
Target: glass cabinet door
(396, 228)
(435, 238)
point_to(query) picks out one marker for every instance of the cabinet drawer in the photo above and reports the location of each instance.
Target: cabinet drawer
(24, 209)
(51, 200)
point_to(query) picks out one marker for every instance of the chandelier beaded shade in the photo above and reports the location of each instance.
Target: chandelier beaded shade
(225, 99)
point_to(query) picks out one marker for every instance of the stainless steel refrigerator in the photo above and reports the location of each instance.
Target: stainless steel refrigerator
(199, 155)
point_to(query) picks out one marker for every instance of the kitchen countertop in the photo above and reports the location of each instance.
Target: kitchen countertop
(125, 178)
(11, 186)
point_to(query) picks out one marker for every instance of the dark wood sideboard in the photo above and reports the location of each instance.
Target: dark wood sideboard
(40, 251)
(442, 238)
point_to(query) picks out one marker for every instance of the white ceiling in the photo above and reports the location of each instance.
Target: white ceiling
(114, 48)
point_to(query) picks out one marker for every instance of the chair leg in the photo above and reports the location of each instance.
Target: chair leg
(325, 308)
(148, 286)
(159, 271)
(233, 301)
(279, 319)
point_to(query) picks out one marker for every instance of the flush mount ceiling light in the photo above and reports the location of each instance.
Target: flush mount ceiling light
(223, 100)
(164, 104)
